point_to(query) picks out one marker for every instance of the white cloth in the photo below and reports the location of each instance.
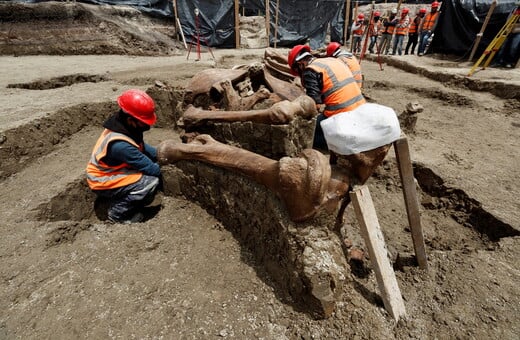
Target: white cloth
(367, 127)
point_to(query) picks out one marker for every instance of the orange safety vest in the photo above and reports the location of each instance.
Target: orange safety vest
(353, 65)
(340, 91)
(101, 176)
(413, 26)
(389, 29)
(375, 28)
(360, 30)
(401, 30)
(429, 21)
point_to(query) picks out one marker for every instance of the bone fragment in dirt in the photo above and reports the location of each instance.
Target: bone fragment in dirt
(280, 113)
(234, 102)
(305, 184)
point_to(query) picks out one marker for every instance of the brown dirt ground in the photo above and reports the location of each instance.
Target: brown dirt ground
(182, 274)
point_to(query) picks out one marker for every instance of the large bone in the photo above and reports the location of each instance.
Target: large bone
(280, 113)
(305, 184)
(202, 82)
(234, 102)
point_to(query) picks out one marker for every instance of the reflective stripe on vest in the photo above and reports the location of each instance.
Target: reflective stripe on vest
(429, 20)
(340, 91)
(413, 26)
(101, 176)
(402, 30)
(389, 29)
(354, 67)
(360, 30)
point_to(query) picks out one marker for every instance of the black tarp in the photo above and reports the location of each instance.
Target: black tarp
(301, 21)
(461, 21)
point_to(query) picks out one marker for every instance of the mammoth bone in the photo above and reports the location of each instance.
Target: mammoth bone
(305, 184)
(280, 113)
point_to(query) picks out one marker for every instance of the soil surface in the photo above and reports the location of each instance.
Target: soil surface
(182, 274)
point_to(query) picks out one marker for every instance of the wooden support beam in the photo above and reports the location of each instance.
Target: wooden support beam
(402, 154)
(237, 25)
(347, 22)
(375, 242)
(268, 22)
(276, 22)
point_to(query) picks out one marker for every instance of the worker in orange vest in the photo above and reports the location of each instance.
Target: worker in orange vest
(123, 168)
(334, 50)
(374, 30)
(388, 31)
(427, 27)
(329, 82)
(413, 31)
(401, 30)
(357, 29)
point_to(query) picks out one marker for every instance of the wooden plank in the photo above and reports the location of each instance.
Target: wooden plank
(346, 25)
(402, 154)
(276, 22)
(237, 25)
(268, 21)
(374, 240)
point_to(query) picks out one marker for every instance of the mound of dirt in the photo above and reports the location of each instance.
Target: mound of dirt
(57, 28)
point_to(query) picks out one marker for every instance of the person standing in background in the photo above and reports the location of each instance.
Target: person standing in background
(357, 29)
(386, 36)
(427, 28)
(374, 29)
(413, 32)
(401, 30)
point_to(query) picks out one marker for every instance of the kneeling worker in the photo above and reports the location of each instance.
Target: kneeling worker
(123, 168)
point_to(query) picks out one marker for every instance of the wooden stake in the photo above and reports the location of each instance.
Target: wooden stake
(237, 25)
(375, 242)
(482, 29)
(175, 17)
(268, 22)
(182, 34)
(346, 26)
(402, 154)
(276, 22)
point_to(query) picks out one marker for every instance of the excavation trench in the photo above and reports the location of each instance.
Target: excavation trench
(307, 260)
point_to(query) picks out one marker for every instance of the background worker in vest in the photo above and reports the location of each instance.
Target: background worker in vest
(401, 30)
(388, 30)
(329, 82)
(413, 31)
(427, 27)
(374, 30)
(123, 168)
(357, 29)
(334, 50)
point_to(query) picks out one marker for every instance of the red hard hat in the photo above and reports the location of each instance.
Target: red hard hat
(405, 11)
(139, 105)
(377, 14)
(435, 4)
(422, 10)
(295, 52)
(332, 47)
(361, 16)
